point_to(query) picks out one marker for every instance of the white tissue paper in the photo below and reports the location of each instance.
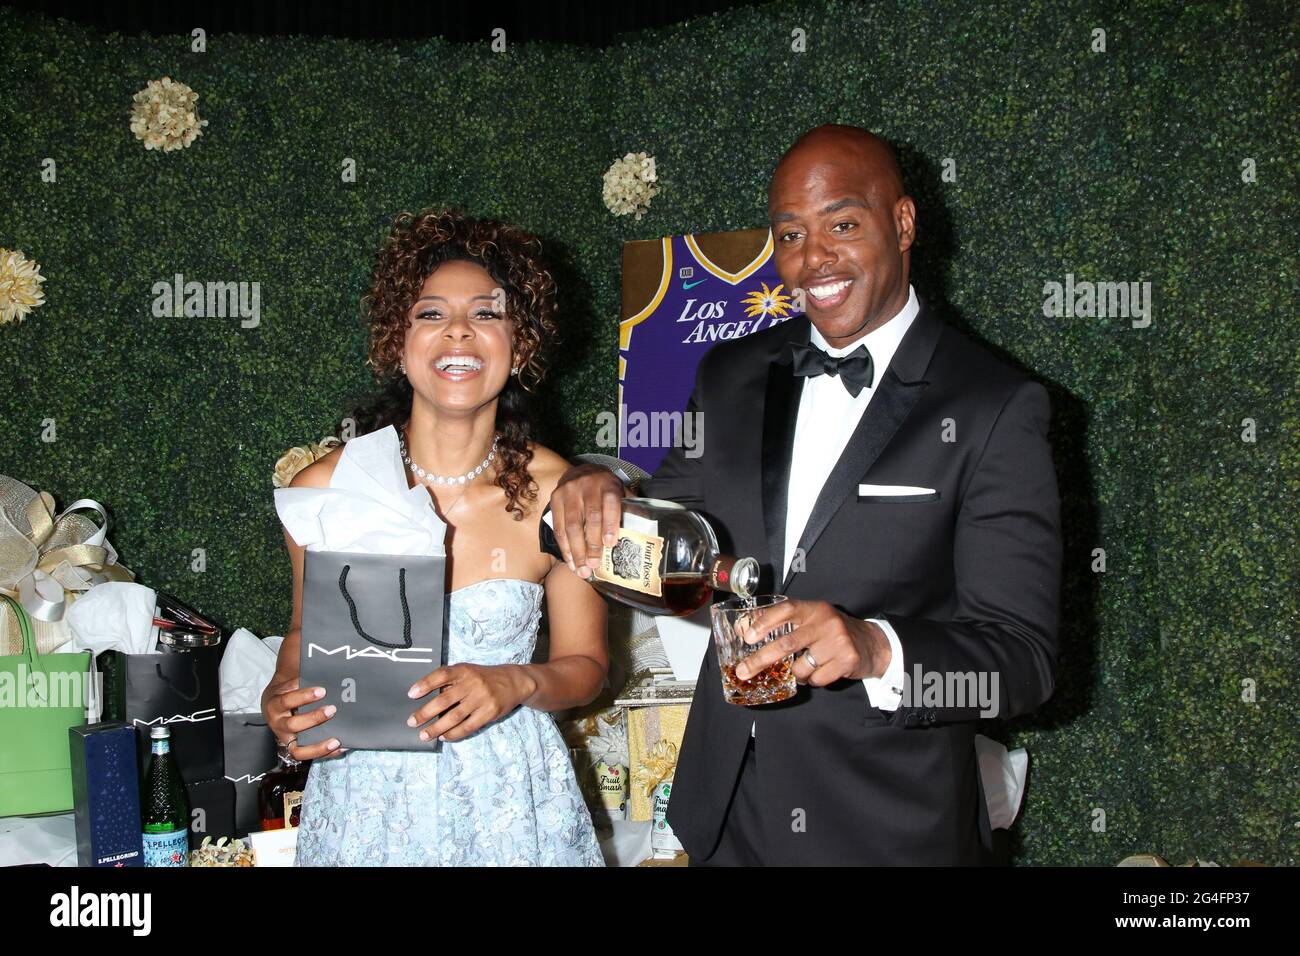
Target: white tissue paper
(246, 668)
(33, 841)
(367, 508)
(113, 616)
(1002, 774)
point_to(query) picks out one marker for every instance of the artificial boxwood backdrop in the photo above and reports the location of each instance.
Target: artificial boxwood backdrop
(1173, 728)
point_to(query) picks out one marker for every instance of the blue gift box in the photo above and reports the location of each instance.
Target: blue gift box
(106, 795)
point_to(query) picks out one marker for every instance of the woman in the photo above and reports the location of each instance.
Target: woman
(458, 310)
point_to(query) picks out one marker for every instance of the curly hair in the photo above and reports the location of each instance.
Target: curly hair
(415, 247)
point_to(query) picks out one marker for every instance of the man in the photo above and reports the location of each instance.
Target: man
(898, 479)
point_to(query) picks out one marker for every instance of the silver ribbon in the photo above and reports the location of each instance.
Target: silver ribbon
(39, 574)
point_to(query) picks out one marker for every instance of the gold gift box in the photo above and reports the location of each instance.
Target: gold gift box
(654, 737)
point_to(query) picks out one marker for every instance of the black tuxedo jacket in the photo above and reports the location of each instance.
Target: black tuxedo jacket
(968, 576)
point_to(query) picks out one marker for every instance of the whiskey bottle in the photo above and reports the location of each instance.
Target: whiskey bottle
(279, 795)
(665, 559)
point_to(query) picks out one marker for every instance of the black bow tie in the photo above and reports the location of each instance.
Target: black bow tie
(855, 369)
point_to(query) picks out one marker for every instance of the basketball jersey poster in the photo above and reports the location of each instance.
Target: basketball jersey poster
(681, 296)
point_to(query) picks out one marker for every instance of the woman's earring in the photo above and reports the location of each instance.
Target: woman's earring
(402, 366)
(515, 370)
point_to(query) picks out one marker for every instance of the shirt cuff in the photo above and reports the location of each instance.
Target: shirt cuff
(886, 691)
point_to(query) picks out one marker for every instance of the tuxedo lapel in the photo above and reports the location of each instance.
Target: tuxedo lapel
(780, 412)
(900, 387)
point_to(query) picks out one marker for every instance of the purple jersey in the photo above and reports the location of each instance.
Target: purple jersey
(696, 304)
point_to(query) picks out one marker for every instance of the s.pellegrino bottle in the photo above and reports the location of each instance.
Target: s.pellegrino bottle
(164, 808)
(665, 559)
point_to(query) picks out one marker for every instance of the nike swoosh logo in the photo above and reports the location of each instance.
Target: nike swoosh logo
(692, 285)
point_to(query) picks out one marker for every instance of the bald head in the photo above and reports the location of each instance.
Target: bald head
(849, 144)
(843, 229)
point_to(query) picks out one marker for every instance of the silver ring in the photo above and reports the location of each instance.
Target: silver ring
(812, 661)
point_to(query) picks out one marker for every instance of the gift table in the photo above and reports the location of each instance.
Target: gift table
(52, 840)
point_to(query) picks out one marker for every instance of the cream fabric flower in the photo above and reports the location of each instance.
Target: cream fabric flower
(627, 191)
(163, 115)
(20, 286)
(299, 457)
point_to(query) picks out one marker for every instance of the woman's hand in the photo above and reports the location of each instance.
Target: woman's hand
(278, 704)
(472, 696)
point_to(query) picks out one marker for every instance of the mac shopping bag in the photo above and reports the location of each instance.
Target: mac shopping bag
(372, 625)
(250, 754)
(178, 689)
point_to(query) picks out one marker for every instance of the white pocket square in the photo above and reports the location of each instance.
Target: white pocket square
(892, 490)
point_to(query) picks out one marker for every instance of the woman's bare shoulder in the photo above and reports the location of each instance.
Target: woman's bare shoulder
(319, 472)
(546, 468)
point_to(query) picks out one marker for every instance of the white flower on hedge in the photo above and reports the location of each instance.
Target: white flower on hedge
(20, 286)
(163, 115)
(627, 188)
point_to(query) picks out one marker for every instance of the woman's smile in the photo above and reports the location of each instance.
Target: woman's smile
(458, 365)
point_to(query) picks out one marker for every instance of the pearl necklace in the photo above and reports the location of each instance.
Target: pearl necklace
(432, 479)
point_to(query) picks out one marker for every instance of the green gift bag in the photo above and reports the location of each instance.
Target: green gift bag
(41, 696)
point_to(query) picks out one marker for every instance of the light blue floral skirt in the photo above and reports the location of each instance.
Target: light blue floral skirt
(505, 796)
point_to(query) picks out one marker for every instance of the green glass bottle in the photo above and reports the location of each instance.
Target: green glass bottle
(165, 810)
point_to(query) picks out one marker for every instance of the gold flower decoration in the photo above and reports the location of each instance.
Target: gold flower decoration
(657, 766)
(163, 115)
(20, 286)
(299, 457)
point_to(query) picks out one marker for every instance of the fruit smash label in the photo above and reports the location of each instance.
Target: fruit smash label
(612, 785)
(633, 562)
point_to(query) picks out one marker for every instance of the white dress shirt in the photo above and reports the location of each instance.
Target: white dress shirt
(828, 416)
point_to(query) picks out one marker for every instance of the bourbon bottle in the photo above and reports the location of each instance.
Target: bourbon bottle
(279, 795)
(665, 560)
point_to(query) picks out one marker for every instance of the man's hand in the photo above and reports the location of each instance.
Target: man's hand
(841, 646)
(472, 696)
(586, 507)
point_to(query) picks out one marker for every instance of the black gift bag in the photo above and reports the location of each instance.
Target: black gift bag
(372, 625)
(212, 810)
(178, 687)
(250, 754)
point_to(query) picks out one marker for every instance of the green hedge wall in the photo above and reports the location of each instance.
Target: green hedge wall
(1122, 165)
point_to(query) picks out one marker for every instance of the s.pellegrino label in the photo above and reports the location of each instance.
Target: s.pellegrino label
(166, 849)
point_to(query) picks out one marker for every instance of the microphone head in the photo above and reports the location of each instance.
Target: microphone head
(627, 472)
